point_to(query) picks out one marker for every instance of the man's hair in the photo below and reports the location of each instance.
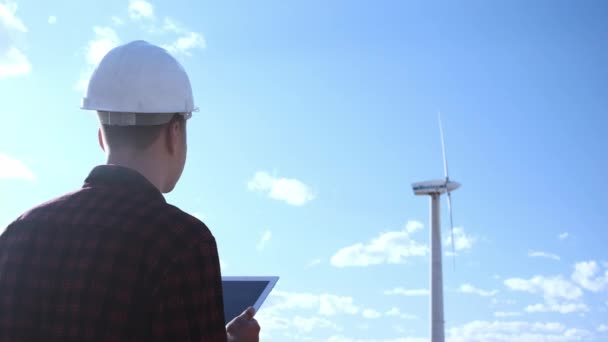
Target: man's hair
(136, 137)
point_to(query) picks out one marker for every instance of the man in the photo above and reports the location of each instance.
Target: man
(113, 261)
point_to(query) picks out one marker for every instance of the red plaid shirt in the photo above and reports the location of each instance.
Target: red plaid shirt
(110, 262)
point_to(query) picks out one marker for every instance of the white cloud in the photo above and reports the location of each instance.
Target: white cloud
(280, 307)
(13, 62)
(559, 294)
(341, 338)
(9, 19)
(117, 21)
(563, 236)
(330, 305)
(370, 314)
(105, 40)
(395, 312)
(585, 275)
(52, 19)
(11, 168)
(503, 314)
(413, 226)
(293, 328)
(313, 263)
(496, 301)
(186, 40)
(462, 241)
(407, 292)
(468, 288)
(308, 324)
(324, 304)
(563, 308)
(289, 190)
(139, 9)
(391, 247)
(551, 287)
(602, 328)
(540, 254)
(185, 43)
(171, 25)
(501, 331)
(223, 265)
(266, 236)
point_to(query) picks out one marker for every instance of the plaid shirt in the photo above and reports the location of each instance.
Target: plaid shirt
(110, 262)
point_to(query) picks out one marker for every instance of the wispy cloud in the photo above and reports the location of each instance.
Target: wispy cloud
(550, 287)
(294, 313)
(462, 241)
(308, 324)
(11, 168)
(140, 9)
(185, 43)
(313, 263)
(540, 254)
(9, 19)
(289, 190)
(105, 39)
(503, 314)
(52, 19)
(407, 292)
(391, 247)
(470, 289)
(563, 236)
(13, 62)
(172, 25)
(560, 295)
(602, 328)
(341, 338)
(266, 236)
(117, 21)
(324, 304)
(370, 314)
(182, 41)
(563, 308)
(516, 331)
(395, 312)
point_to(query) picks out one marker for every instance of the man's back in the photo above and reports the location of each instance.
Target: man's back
(110, 262)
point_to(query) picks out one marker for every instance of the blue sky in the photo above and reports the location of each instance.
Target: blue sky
(315, 119)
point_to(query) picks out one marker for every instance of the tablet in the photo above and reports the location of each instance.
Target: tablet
(243, 292)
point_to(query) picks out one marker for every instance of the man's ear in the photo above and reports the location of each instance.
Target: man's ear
(172, 136)
(100, 139)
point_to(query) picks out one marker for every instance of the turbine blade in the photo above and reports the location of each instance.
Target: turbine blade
(445, 160)
(452, 228)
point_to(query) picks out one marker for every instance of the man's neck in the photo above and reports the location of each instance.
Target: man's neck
(140, 162)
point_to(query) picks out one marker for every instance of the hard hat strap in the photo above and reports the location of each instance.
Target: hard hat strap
(137, 119)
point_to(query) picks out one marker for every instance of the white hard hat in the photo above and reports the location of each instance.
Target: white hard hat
(139, 84)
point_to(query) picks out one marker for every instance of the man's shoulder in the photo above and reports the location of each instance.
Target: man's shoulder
(53, 205)
(187, 225)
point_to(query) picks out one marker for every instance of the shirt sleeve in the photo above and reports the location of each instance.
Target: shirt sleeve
(189, 301)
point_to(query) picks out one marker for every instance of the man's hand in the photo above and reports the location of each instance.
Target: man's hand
(244, 328)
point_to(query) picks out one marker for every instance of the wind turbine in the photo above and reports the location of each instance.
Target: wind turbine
(434, 189)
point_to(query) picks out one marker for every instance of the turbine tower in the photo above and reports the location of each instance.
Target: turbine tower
(434, 189)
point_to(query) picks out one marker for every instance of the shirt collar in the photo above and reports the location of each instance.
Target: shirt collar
(115, 175)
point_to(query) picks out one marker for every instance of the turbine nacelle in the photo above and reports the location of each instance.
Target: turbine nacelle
(438, 186)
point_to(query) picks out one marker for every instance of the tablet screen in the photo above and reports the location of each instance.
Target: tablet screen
(243, 292)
